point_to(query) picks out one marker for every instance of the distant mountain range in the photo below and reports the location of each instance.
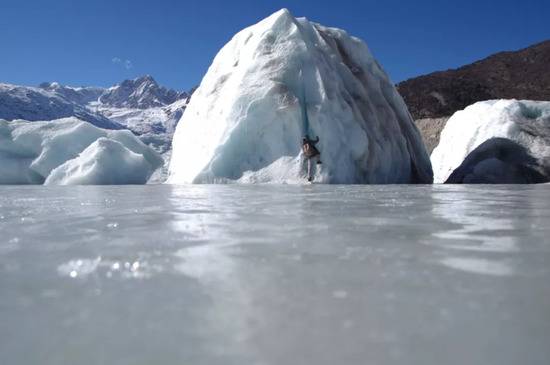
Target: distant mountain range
(34, 103)
(149, 110)
(141, 93)
(523, 74)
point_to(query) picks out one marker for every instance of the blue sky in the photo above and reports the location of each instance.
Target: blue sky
(102, 42)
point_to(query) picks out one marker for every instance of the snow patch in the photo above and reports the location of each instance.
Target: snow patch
(439, 97)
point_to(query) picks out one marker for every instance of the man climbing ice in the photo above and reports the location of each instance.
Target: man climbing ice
(312, 154)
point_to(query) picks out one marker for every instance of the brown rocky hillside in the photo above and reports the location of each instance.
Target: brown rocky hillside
(523, 74)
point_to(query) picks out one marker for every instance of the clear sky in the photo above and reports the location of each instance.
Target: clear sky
(101, 42)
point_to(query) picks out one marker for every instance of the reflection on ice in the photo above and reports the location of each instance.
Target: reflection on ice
(476, 230)
(81, 268)
(206, 262)
(478, 266)
(275, 275)
(483, 238)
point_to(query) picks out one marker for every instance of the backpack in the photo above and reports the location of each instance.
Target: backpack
(309, 149)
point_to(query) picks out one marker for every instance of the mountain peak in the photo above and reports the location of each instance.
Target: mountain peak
(280, 19)
(140, 93)
(282, 13)
(145, 79)
(49, 85)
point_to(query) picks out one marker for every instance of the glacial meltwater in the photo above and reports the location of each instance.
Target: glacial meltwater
(275, 275)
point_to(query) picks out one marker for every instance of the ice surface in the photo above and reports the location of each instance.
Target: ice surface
(281, 79)
(526, 123)
(30, 151)
(275, 275)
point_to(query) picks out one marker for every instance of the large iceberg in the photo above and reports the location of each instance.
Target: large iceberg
(284, 78)
(70, 151)
(495, 141)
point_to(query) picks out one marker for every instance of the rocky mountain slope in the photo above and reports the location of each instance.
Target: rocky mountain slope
(430, 129)
(523, 74)
(433, 98)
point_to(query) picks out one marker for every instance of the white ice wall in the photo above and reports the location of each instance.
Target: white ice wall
(29, 151)
(524, 122)
(246, 120)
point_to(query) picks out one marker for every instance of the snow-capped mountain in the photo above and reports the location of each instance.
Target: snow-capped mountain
(33, 104)
(140, 93)
(78, 95)
(141, 105)
(154, 126)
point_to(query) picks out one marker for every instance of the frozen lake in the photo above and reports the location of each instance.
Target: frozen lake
(275, 275)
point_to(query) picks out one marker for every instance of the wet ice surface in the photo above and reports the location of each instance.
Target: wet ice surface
(275, 275)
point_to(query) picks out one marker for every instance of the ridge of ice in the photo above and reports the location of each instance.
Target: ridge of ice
(246, 120)
(104, 162)
(29, 152)
(524, 122)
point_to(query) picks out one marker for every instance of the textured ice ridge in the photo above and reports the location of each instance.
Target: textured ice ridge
(281, 79)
